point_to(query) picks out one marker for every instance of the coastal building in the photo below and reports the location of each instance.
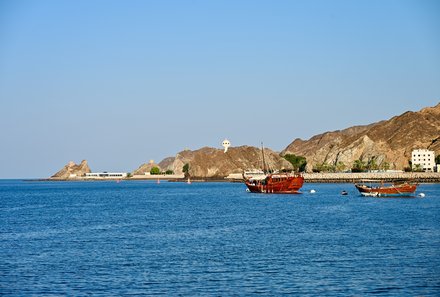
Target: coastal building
(108, 175)
(423, 159)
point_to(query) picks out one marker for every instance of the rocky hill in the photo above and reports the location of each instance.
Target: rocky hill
(145, 168)
(210, 162)
(389, 141)
(72, 170)
(167, 164)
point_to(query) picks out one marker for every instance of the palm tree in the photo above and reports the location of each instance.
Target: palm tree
(358, 166)
(340, 166)
(372, 165)
(385, 165)
(418, 168)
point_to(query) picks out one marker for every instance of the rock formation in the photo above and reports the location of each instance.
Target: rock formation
(388, 141)
(210, 162)
(167, 164)
(72, 170)
(145, 168)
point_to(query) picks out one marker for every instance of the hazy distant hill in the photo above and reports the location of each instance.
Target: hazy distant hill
(387, 141)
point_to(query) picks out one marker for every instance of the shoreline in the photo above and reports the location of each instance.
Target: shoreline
(420, 177)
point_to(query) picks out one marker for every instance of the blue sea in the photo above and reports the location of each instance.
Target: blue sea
(214, 239)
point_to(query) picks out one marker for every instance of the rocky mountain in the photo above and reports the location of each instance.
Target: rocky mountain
(72, 170)
(211, 162)
(389, 141)
(167, 164)
(144, 168)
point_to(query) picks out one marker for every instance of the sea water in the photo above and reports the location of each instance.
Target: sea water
(202, 239)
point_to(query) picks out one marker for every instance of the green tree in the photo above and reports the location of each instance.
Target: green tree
(298, 162)
(340, 166)
(418, 168)
(385, 165)
(372, 165)
(155, 171)
(169, 172)
(437, 159)
(324, 167)
(185, 169)
(358, 166)
(329, 167)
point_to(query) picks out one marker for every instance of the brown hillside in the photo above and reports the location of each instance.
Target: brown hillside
(145, 168)
(211, 162)
(387, 141)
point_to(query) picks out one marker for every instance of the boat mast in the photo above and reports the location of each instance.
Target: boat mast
(264, 161)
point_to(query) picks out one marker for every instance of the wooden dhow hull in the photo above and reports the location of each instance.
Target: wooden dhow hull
(401, 190)
(276, 184)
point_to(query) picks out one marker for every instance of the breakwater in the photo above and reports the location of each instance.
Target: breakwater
(421, 177)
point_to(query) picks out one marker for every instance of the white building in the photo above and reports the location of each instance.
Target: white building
(423, 159)
(108, 175)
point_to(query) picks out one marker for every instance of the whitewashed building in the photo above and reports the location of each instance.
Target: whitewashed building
(423, 159)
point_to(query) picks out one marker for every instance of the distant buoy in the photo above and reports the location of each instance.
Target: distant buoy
(312, 191)
(422, 195)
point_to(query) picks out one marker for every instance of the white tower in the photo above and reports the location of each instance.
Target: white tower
(226, 144)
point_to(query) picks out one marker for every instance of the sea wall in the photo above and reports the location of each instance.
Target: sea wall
(422, 177)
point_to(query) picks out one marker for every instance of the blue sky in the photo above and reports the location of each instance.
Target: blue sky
(121, 82)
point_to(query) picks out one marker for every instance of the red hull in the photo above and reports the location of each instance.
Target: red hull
(276, 184)
(404, 189)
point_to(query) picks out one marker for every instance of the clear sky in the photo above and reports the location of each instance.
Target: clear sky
(121, 82)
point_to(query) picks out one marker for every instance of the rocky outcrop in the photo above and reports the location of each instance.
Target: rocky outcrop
(167, 164)
(72, 170)
(388, 141)
(145, 168)
(209, 162)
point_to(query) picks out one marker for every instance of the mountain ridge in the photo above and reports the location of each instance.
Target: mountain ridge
(389, 141)
(386, 142)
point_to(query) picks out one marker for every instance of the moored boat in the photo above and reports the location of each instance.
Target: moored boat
(276, 183)
(397, 189)
(264, 181)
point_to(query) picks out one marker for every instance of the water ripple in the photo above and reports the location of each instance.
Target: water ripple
(108, 239)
